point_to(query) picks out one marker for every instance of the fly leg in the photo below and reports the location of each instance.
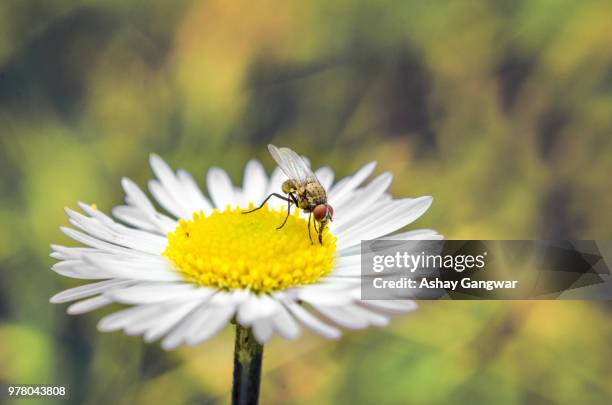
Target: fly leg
(288, 213)
(319, 231)
(309, 218)
(290, 200)
(266, 200)
(321, 234)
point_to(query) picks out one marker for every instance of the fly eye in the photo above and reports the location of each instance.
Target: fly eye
(319, 212)
(330, 211)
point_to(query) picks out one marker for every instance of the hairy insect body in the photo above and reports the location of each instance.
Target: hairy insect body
(315, 195)
(309, 195)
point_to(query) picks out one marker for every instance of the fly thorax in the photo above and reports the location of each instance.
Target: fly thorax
(316, 193)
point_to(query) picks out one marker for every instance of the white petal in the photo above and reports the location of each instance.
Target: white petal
(363, 199)
(135, 196)
(163, 224)
(285, 324)
(159, 270)
(324, 294)
(129, 316)
(342, 317)
(193, 192)
(87, 290)
(179, 334)
(349, 251)
(198, 320)
(236, 298)
(351, 316)
(349, 272)
(348, 184)
(157, 292)
(97, 243)
(325, 175)
(131, 238)
(398, 214)
(343, 281)
(214, 320)
(312, 322)
(263, 330)
(166, 322)
(374, 318)
(97, 215)
(255, 308)
(79, 270)
(391, 306)
(176, 195)
(416, 234)
(136, 218)
(347, 264)
(255, 182)
(275, 186)
(163, 197)
(68, 253)
(220, 188)
(88, 305)
(179, 194)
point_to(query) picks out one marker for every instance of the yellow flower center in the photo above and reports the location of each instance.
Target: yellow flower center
(232, 250)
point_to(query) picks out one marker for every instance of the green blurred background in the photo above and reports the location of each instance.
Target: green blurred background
(500, 110)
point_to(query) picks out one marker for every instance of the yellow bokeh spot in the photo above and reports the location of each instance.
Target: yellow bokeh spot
(231, 250)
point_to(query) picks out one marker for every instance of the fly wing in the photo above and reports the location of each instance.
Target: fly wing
(292, 164)
(302, 166)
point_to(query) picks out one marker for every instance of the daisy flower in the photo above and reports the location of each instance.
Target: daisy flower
(186, 273)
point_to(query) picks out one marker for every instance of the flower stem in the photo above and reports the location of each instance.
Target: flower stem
(248, 354)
